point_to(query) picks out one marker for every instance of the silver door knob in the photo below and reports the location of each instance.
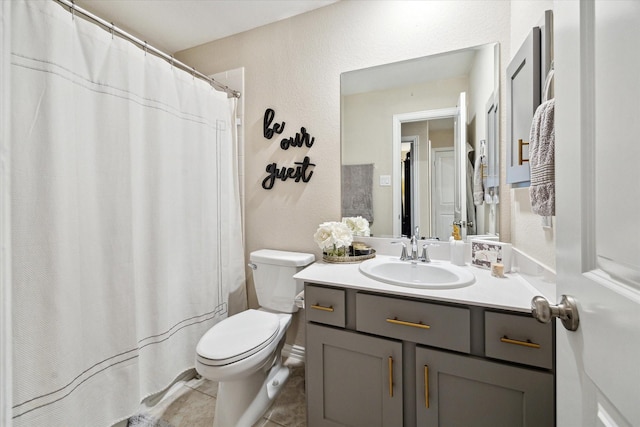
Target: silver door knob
(567, 311)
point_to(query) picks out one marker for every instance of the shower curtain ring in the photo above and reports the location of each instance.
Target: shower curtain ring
(145, 48)
(112, 30)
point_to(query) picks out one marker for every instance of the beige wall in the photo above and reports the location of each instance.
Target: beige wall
(294, 67)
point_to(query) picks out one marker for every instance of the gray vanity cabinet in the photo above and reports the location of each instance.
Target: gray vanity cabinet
(380, 360)
(460, 391)
(353, 379)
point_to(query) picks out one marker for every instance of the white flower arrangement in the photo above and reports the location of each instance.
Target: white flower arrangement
(358, 225)
(333, 237)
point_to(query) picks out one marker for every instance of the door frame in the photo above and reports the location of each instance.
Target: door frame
(414, 140)
(398, 119)
(6, 385)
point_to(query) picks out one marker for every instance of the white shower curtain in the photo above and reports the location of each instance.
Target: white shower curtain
(125, 219)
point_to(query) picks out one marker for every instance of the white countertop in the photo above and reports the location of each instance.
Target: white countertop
(512, 292)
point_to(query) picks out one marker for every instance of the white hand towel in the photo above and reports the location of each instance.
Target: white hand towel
(478, 181)
(542, 191)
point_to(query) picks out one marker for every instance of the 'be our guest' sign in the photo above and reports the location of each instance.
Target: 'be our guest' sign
(301, 171)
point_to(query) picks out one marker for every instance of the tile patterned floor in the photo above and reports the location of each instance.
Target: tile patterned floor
(193, 404)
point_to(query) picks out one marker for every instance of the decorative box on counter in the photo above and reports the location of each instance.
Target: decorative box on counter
(485, 253)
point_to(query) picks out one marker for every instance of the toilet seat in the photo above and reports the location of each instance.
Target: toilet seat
(238, 337)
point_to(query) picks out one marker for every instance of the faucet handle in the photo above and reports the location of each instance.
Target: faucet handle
(403, 254)
(425, 252)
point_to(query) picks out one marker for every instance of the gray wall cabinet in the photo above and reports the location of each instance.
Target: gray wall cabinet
(395, 361)
(523, 97)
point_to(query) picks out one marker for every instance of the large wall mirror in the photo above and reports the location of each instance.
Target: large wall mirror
(420, 144)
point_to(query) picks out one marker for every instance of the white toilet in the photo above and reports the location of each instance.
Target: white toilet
(242, 352)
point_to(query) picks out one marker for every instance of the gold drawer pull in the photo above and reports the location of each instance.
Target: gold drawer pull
(395, 321)
(390, 376)
(506, 339)
(319, 307)
(426, 386)
(521, 144)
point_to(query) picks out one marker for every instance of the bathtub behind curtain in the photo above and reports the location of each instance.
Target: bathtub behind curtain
(125, 219)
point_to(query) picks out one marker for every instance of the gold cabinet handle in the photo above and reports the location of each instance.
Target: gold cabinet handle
(391, 376)
(395, 321)
(521, 143)
(426, 386)
(320, 307)
(507, 340)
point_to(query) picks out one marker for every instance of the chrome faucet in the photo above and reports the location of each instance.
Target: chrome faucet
(424, 257)
(414, 243)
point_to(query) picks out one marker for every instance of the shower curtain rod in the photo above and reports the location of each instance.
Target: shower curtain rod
(145, 46)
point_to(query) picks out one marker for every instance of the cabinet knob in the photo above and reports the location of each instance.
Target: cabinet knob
(567, 311)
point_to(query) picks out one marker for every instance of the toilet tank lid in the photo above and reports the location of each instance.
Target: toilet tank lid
(284, 258)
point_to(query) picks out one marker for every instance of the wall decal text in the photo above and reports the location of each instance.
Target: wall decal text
(297, 173)
(277, 127)
(301, 171)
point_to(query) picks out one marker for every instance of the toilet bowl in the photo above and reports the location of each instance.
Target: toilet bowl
(223, 354)
(243, 352)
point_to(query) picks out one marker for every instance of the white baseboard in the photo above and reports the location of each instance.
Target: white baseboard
(294, 352)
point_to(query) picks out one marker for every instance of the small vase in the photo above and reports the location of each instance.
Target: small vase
(341, 251)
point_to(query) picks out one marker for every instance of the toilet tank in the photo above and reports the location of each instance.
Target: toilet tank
(273, 272)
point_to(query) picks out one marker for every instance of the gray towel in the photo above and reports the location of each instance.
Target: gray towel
(357, 191)
(542, 144)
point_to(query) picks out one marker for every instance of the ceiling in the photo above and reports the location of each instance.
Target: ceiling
(175, 25)
(414, 71)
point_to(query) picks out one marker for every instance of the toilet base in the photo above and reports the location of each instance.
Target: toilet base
(241, 403)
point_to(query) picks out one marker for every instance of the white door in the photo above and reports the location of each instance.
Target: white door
(442, 191)
(597, 87)
(460, 147)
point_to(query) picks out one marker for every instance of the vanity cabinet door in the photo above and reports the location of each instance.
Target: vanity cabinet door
(523, 97)
(461, 391)
(352, 379)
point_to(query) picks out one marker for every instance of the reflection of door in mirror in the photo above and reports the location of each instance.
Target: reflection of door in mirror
(442, 185)
(419, 125)
(460, 200)
(429, 203)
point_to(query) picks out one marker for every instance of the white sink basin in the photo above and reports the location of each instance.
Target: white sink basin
(415, 274)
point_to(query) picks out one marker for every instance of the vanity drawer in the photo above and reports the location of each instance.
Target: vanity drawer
(520, 339)
(325, 305)
(420, 322)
